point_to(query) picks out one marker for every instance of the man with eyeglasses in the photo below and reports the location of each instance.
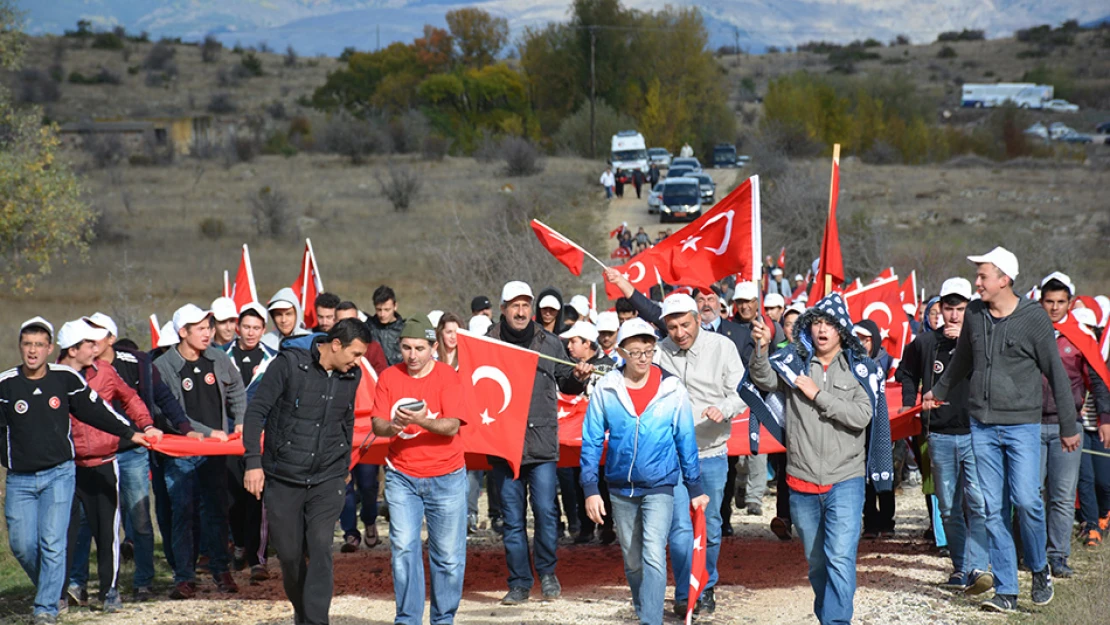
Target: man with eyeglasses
(709, 366)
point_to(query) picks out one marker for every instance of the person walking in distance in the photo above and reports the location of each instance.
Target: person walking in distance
(305, 403)
(418, 405)
(608, 182)
(1007, 345)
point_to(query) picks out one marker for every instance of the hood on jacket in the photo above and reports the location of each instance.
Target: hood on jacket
(928, 306)
(560, 320)
(876, 337)
(832, 308)
(287, 295)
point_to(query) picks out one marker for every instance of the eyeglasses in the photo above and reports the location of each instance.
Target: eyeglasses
(636, 355)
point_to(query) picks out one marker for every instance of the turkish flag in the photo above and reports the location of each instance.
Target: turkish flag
(497, 387)
(242, 290)
(154, 331)
(886, 273)
(1085, 341)
(615, 232)
(782, 258)
(563, 249)
(571, 412)
(902, 424)
(909, 292)
(740, 444)
(308, 285)
(699, 574)
(621, 252)
(831, 262)
(881, 302)
(725, 240)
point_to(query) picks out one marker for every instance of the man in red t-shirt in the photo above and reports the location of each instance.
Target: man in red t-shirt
(418, 404)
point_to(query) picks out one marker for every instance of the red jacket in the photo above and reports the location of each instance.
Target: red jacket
(93, 447)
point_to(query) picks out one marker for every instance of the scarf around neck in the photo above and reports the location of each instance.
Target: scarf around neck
(520, 338)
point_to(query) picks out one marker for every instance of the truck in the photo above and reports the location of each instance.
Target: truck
(628, 151)
(724, 155)
(1025, 95)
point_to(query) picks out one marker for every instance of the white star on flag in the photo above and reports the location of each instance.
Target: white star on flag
(433, 415)
(563, 414)
(486, 419)
(699, 543)
(690, 243)
(884, 333)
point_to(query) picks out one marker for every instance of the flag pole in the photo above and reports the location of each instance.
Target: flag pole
(832, 202)
(227, 285)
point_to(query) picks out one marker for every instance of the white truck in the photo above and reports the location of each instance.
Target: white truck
(628, 151)
(1025, 95)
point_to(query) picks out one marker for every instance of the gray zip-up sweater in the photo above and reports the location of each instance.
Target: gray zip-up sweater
(1006, 359)
(232, 393)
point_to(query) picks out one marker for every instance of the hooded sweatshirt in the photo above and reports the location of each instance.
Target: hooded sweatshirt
(877, 353)
(273, 338)
(1006, 359)
(923, 362)
(560, 320)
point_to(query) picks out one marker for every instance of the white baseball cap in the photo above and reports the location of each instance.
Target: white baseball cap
(167, 336)
(188, 315)
(636, 327)
(101, 320)
(677, 303)
(515, 289)
(223, 308)
(259, 309)
(798, 277)
(859, 330)
(1000, 257)
(550, 301)
(745, 291)
(37, 322)
(608, 321)
(909, 308)
(479, 324)
(583, 330)
(280, 304)
(776, 271)
(956, 286)
(581, 305)
(797, 306)
(1059, 277)
(73, 332)
(1085, 316)
(774, 300)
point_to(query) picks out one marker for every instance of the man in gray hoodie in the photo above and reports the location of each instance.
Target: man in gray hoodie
(1007, 344)
(285, 312)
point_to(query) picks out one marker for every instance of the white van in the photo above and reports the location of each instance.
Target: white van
(628, 151)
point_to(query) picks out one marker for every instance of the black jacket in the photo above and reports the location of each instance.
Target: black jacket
(541, 440)
(560, 319)
(924, 360)
(167, 414)
(388, 336)
(309, 418)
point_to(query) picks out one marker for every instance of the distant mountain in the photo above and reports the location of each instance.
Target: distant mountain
(328, 26)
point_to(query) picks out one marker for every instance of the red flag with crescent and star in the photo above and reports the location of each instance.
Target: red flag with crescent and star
(831, 261)
(727, 239)
(497, 381)
(699, 573)
(563, 249)
(881, 302)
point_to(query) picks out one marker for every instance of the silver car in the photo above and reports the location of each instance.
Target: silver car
(708, 187)
(660, 156)
(687, 161)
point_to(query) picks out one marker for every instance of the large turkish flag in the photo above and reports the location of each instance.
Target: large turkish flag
(497, 384)
(563, 249)
(881, 302)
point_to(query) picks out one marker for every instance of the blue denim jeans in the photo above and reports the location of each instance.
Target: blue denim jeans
(1008, 458)
(37, 507)
(1094, 482)
(134, 494)
(441, 502)
(962, 509)
(714, 474)
(200, 479)
(1059, 479)
(539, 481)
(642, 525)
(829, 526)
(362, 489)
(163, 507)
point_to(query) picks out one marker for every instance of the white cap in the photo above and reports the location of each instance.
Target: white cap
(37, 322)
(550, 301)
(479, 324)
(635, 327)
(1000, 257)
(581, 305)
(677, 303)
(798, 277)
(745, 291)
(280, 304)
(583, 330)
(256, 307)
(608, 321)
(861, 331)
(223, 308)
(774, 300)
(956, 286)
(1061, 277)
(1085, 316)
(101, 320)
(515, 289)
(797, 306)
(434, 317)
(73, 332)
(187, 315)
(909, 308)
(802, 299)
(167, 336)
(776, 271)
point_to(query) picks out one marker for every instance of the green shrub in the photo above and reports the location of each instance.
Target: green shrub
(212, 228)
(103, 77)
(107, 41)
(278, 144)
(252, 64)
(947, 52)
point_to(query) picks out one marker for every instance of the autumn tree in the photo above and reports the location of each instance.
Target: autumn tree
(42, 216)
(435, 50)
(479, 36)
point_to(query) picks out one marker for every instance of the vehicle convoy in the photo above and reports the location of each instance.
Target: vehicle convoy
(628, 151)
(707, 186)
(1022, 94)
(660, 157)
(690, 162)
(681, 200)
(724, 155)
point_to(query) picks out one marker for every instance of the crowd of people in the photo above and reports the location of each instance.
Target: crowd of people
(1010, 388)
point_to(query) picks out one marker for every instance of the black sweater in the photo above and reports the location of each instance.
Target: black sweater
(925, 360)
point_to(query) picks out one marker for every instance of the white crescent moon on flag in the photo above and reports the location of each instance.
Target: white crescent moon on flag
(879, 306)
(488, 372)
(643, 272)
(728, 232)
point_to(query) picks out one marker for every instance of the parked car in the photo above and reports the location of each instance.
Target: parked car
(724, 155)
(681, 200)
(1075, 137)
(660, 156)
(743, 160)
(1103, 128)
(1060, 106)
(687, 161)
(1037, 130)
(708, 187)
(1059, 129)
(655, 197)
(678, 171)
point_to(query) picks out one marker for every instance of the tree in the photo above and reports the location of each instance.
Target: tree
(41, 213)
(435, 50)
(479, 36)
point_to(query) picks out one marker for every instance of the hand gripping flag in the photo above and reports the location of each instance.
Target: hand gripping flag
(699, 572)
(308, 285)
(497, 387)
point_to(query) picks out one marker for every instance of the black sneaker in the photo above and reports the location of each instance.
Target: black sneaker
(979, 582)
(755, 509)
(584, 537)
(706, 603)
(1000, 603)
(957, 581)
(726, 529)
(351, 543)
(143, 593)
(516, 596)
(781, 528)
(608, 536)
(1042, 587)
(471, 523)
(1060, 568)
(680, 609)
(550, 586)
(127, 550)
